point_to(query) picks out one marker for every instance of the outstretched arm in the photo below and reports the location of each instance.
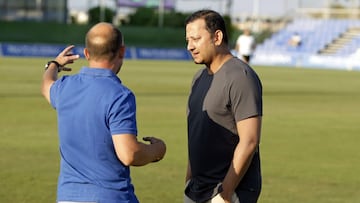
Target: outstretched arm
(131, 152)
(51, 73)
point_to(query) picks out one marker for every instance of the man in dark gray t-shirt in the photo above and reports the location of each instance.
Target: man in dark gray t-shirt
(224, 118)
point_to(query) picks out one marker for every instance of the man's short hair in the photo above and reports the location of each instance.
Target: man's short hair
(213, 20)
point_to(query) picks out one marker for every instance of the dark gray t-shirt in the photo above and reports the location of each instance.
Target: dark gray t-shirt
(216, 103)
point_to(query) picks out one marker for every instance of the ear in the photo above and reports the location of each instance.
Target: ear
(218, 37)
(86, 54)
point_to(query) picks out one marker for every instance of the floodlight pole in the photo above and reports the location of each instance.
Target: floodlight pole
(161, 13)
(229, 4)
(102, 13)
(256, 8)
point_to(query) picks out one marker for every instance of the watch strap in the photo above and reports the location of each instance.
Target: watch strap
(55, 62)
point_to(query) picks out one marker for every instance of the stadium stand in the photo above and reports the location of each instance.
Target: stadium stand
(320, 38)
(317, 36)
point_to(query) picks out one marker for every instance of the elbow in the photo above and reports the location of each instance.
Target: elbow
(45, 90)
(255, 142)
(45, 94)
(42, 90)
(132, 159)
(252, 145)
(127, 160)
(129, 163)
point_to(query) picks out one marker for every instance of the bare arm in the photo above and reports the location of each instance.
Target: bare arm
(51, 74)
(249, 131)
(131, 152)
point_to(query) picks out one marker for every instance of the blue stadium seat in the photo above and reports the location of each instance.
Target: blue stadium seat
(315, 34)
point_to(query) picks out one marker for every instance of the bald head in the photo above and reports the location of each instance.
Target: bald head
(103, 42)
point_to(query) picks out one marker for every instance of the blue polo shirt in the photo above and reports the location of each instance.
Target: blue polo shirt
(92, 106)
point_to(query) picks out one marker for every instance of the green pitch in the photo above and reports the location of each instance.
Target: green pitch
(309, 143)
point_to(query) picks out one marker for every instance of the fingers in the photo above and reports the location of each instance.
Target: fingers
(147, 139)
(67, 50)
(152, 140)
(65, 69)
(160, 147)
(66, 57)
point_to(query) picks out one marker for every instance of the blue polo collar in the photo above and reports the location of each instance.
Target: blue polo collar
(97, 72)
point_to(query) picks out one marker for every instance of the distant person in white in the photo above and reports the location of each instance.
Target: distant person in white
(295, 40)
(245, 46)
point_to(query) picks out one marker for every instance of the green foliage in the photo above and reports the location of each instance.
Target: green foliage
(261, 36)
(42, 32)
(75, 34)
(309, 141)
(175, 19)
(154, 37)
(143, 17)
(229, 27)
(149, 17)
(142, 31)
(95, 15)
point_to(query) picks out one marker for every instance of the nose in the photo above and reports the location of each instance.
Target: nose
(190, 46)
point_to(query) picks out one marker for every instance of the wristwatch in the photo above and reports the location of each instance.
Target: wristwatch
(56, 63)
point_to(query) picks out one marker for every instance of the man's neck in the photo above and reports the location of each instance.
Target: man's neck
(219, 61)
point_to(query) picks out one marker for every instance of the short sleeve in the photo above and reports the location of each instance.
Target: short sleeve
(54, 91)
(246, 95)
(122, 115)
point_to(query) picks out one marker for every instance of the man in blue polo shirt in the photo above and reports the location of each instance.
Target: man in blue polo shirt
(97, 123)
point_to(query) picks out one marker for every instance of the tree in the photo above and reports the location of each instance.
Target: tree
(143, 17)
(95, 15)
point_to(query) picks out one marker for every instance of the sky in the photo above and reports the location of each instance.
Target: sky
(267, 8)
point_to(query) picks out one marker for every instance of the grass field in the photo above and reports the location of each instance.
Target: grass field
(309, 139)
